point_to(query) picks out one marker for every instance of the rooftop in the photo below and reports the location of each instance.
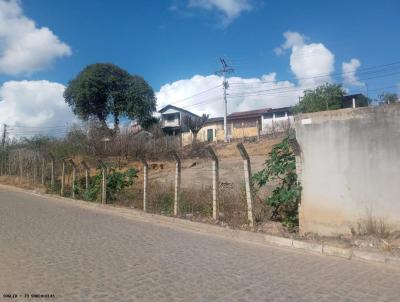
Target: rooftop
(248, 114)
(176, 108)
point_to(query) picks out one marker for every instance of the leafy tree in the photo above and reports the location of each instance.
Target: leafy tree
(324, 97)
(388, 98)
(195, 124)
(281, 167)
(101, 90)
(149, 123)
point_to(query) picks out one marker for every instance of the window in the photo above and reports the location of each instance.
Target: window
(280, 114)
(170, 117)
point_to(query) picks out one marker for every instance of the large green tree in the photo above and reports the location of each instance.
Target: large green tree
(324, 97)
(104, 90)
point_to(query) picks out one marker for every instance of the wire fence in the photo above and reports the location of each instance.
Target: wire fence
(197, 189)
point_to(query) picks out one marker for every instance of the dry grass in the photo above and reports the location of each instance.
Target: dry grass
(17, 182)
(194, 203)
(374, 226)
(261, 147)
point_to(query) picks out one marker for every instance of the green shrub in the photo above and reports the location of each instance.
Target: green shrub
(281, 167)
(116, 181)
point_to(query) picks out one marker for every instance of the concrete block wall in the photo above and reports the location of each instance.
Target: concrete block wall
(349, 167)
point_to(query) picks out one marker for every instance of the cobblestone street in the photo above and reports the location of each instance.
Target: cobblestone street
(48, 246)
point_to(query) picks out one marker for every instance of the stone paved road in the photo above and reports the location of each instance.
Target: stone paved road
(78, 254)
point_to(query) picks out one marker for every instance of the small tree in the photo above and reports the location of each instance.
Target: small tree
(195, 124)
(324, 97)
(281, 167)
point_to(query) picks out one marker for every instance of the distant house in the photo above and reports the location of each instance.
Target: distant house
(359, 99)
(213, 130)
(135, 127)
(172, 118)
(276, 120)
(239, 125)
(245, 123)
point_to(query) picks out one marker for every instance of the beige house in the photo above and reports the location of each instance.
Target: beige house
(244, 124)
(239, 125)
(212, 131)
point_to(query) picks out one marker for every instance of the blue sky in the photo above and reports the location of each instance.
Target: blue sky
(175, 46)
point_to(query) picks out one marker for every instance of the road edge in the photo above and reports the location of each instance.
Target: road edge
(226, 232)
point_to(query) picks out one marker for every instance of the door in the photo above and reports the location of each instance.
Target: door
(210, 135)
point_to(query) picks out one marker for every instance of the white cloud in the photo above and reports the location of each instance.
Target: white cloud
(349, 72)
(292, 39)
(311, 63)
(35, 104)
(230, 9)
(243, 94)
(25, 48)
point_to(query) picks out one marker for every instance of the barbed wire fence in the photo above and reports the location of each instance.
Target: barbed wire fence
(161, 187)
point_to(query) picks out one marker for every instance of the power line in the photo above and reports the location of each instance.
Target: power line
(363, 71)
(285, 89)
(194, 95)
(359, 71)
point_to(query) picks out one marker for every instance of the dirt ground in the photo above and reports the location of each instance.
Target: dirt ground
(198, 172)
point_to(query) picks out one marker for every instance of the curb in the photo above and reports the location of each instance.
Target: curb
(227, 233)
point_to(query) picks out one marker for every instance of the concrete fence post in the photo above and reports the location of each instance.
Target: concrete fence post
(145, 181)
(2, 161)
(215, 183)
(52, 173)
(34, 170)
(43, 170)
(177, 181)
(103, 182)
(27, 171)
(21, 169)
(87, 169)
(3, 165)
(73, 177)
(62, 177)
(248, 183)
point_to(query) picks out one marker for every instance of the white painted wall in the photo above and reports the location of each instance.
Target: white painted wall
(268, 123)
(350, 167)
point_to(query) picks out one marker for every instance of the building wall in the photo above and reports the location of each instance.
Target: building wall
(202, 135)
(187, 138)
(170, 123)
(244, 128)
(350, 167)
(236, 130)
(276, 124)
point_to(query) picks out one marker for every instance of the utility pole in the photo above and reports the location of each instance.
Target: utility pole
(225, 85)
